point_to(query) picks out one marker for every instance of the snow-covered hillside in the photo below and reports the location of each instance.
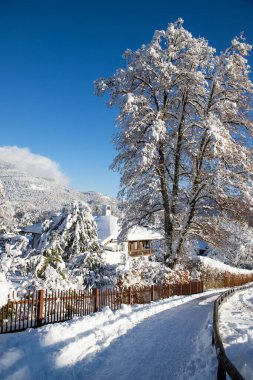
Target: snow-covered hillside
(39, 195)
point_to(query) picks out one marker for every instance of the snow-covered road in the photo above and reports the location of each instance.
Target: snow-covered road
(173, 344)
(169, 339)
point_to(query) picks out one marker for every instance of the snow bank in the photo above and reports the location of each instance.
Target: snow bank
(236, 320)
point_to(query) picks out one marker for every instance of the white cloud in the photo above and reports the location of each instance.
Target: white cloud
(33, 164)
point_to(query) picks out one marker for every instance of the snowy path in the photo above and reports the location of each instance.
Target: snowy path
(169, 339)
(162, 347)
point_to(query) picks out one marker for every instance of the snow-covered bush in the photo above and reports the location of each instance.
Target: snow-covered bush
(142, 272)
(13, 251)
(216, 274)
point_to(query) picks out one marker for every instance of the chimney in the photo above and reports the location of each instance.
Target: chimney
(108, 210)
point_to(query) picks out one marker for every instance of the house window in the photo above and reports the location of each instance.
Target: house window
(147, 244)
(141, 247)
(135, 245)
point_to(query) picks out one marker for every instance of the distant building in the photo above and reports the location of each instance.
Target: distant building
(140, 240)
(108, 230)
(35, 231)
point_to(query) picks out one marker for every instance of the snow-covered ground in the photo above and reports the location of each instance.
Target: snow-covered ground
(236, 328)
(112, 257)
(168, 339)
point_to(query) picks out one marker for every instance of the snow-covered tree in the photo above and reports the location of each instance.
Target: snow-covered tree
(234, 244)
(70, 232)
(70, 239)
(184, 132)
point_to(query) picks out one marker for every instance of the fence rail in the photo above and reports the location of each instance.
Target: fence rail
(44, 307)
(224, 364)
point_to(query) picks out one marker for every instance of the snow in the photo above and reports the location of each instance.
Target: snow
(140, 233)
(172, 144)
(108, 228)
(112, 257)
(4, 289)
(165, 339)
(218, 266)
(36, 187)
(236, 320)
(31, 197)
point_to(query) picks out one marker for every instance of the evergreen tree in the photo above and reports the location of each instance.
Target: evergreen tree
(70, 238)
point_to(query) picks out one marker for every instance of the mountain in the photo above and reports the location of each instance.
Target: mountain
(38, 196)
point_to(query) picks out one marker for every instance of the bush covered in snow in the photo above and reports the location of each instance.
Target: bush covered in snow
(216, 274)
(142, 272)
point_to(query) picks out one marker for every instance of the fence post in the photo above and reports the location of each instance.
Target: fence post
(40, 308)
(152, 292)
(221, 372)
(130, 296)
(96, 300)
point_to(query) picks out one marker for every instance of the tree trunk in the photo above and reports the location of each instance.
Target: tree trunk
(168, 225)
(177, 156)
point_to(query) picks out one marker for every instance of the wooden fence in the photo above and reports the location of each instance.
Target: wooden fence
(43, 307)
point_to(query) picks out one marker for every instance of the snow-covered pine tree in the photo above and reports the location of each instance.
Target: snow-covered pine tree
(74, 228)
(70, 237)
(184, 132)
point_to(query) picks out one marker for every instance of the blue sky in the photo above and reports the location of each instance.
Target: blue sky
(52, 51)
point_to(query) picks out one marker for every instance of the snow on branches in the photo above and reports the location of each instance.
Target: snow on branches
(184, 132)
(70, 244)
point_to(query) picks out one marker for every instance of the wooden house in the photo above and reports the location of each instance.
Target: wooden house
(140, 240)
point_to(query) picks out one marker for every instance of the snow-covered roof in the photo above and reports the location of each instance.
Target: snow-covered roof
(33, 229)
(108, 228)
(142, 233)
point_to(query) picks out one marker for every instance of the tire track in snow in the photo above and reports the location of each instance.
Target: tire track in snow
(173, 344)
